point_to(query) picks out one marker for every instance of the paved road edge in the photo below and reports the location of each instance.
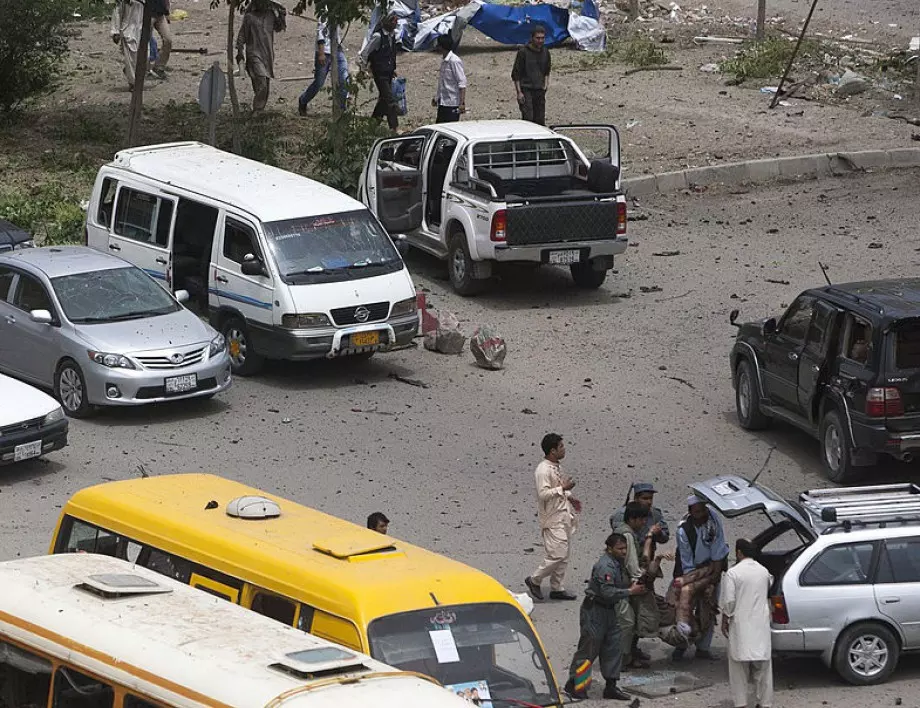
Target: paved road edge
(825, 164)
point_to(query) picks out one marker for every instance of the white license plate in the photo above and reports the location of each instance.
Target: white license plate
(181, 384)
(565, 257)
(27, 451)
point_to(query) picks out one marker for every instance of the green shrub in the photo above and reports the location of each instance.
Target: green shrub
(640, 51)
(764, 60)
(49, 212)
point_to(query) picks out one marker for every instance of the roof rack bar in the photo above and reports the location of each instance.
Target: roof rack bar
(859, 491)
(890, 502)
(877, 514)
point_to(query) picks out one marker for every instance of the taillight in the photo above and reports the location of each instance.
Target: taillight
(499, 223)
(779, 614)
(621, 218)
(884, 402)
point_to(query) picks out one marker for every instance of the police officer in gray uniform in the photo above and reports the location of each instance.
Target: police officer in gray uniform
(656, 526)
(600, 628)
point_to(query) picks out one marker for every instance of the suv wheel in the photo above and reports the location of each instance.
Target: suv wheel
(747, 398)
(243, 359)
(460, 265)
(835, 449)
(866, 654)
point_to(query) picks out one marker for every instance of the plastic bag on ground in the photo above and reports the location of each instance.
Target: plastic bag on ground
(446, 337)
(488, 348)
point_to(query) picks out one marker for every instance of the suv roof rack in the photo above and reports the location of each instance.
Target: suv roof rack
(864, 505)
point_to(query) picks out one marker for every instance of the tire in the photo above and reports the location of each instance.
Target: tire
(244, 361)
(866, 654)
(70, 390)
(835, 449)
(747, 398)
(460, 266)
(586, 277)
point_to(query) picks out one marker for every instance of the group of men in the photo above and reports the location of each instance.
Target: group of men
(621, 582)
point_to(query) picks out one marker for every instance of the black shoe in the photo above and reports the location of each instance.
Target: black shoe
(533, 588)
(611, 690)
(569, 688)
(561, 595)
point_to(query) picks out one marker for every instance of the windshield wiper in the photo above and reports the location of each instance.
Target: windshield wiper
(135, 315)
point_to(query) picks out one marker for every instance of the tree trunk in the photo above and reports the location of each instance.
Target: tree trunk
(761, 19)
(231, 84)
(334, 69)
(633, 10)
(140, 72)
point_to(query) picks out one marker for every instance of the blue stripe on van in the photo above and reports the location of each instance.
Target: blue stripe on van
(155, 274)
(240, 298)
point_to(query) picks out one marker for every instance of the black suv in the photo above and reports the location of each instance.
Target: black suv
(843, 364)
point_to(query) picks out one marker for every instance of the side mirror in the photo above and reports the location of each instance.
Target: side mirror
(41, 317)
(251, 265)
(769, 326)
(401, 243)
(182, 295)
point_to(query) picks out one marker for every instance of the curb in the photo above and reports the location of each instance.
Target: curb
(816, 166)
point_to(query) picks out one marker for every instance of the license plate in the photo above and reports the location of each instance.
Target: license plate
(365, 339)
(27, 450)
(565, 257)
(181, 384)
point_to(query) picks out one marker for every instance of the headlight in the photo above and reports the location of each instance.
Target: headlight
(112, 361)
(404, 307)
(218, 344)
(308, 321)
(54, 416)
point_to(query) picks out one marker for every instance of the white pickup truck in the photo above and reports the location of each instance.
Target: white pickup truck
(480, 192)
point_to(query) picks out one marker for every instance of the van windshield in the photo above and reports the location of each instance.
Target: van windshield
(485, 650)
(331, 248)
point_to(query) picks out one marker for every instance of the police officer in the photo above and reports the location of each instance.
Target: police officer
(656, 526)
(380, 54)
(600, 629)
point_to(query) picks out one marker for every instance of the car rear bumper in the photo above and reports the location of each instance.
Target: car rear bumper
(136, 387)
(879, 439)
(537, 252)
(53, 437)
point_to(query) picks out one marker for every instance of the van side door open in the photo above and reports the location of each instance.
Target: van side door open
(141, 230)
(394, 182)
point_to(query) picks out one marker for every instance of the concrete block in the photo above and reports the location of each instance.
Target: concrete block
(730, 174)
(761, 170)
(671, 181)
(904, 157)
(798, 166)
(866, 159)
(640, 186)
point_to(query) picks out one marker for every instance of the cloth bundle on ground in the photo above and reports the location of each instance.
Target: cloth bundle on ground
(689, 607)
(446, 337)
(488, 348)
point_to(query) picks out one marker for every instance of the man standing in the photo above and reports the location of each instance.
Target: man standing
(380, 54)
(635, 519)
(530, 75)
(700, 541)
(450, 98)
(127, 18)
(608, 588)
(745, 608)
(323, 61)
(655, 527)
(257, 35)
(160, 14)
(557, 509)
(378, 522)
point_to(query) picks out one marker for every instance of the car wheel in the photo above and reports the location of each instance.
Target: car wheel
(835, 449)
(460, 266)
(70, 390)
(243, 358)
(586, 277)
(866, 654)
(747, 398)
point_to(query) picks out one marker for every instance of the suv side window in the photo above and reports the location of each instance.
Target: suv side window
(846, 564)
(856, 342)
(900, 561)
(797, 319)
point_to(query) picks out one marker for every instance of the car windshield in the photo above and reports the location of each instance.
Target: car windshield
(111, 296)
(488, 647)
(332, 247)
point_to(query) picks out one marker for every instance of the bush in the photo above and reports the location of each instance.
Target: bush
(49, 213)
(766, 59)
(32, 44)
(641, 51)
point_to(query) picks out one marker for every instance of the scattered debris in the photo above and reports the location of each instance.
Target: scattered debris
(285, 420)
(446, 337)
(666, 254)
(649, 289)
(632, 216)
(371, 410)
(488, 348)
(407, 380)
(631, 124)
(718, 40)
(876, 244)
(528, 411)
(678, 379)
(674, 297)
(777, 281)
(662, 67)
(851, 83)
(709, 68)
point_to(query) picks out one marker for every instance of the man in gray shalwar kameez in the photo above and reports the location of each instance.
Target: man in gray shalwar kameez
(127, 18)
(257, 35)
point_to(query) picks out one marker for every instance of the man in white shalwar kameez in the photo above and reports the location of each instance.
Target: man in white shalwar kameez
(745, 605)
(127, 19)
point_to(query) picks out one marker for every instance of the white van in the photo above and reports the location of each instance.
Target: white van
(287, 268)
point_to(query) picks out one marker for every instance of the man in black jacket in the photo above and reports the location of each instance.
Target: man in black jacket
(531, 77)
(380, 54)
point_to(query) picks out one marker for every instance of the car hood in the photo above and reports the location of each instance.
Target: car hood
(323, 297)
(20, 402)
(733, 496)
(177, 329)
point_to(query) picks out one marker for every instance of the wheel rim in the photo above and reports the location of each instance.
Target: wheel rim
(459, 265)
(70, 389)
(236, 346)
(868, 655)
(833, 450)
(744, 394)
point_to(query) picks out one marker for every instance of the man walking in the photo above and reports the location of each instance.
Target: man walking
(257, 35)
(745, 606)
(322, 64)
(608, 588)
(530, 75)
(450, 98)
(380, 54)
(557, 509)
(127, 18)
(635, 519)
(700, 541)
(159, 11)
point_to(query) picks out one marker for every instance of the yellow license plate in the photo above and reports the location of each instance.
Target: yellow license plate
(365, 339)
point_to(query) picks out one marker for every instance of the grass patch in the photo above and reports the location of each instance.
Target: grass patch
(639, 51)
(766, 59)
(50, 211)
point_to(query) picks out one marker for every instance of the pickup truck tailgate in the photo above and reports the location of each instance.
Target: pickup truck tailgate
(555, 222)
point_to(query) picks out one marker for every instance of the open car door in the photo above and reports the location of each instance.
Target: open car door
(393, 182)
(597, 142)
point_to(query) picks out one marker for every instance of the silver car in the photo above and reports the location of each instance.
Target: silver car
(99, 331)
(846, 569)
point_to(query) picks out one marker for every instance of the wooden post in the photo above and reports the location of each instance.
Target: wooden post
(231, 84)
(761, 19)
(795, 52)
(140, 73)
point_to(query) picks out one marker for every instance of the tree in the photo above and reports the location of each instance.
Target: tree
(32, 45)
(233, 6)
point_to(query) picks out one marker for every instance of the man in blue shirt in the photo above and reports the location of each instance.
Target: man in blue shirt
(700, 541)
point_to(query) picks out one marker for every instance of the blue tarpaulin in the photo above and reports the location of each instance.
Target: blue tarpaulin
(513, 25)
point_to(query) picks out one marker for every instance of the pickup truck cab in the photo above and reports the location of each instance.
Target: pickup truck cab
(479, 192)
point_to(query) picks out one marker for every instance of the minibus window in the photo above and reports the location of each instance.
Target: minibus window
(75, 690)
(135, 702)
(275, 607)
(169, 565)
(25, 678)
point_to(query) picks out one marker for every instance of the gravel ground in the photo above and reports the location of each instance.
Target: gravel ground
(637, 382)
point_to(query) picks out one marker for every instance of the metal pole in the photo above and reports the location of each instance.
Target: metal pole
(212, 119)
(779, 89)
(761, 19)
